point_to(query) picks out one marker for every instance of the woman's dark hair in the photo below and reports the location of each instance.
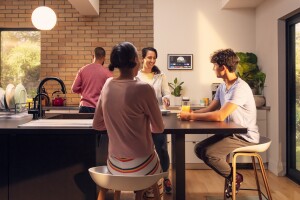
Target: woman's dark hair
(145, 50)
(123, 55)
(225, 57)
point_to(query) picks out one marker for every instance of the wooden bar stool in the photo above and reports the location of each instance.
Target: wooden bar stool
(253, 152)
(107, 181)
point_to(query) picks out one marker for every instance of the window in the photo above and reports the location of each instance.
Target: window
(293, 97)
(20, 58)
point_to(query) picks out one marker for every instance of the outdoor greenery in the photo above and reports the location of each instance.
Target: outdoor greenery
(20, 59)
(176, 87)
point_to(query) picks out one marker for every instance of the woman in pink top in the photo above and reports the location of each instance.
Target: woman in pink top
(129, 111)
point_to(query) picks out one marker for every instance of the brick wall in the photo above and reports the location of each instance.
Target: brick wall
(68, 46)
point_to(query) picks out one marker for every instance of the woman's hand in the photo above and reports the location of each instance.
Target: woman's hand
(183, 115)
(166, 102)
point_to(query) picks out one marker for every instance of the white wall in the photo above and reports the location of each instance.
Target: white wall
(199, 27)
(270, 49)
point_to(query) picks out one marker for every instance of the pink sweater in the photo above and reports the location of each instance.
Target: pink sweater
(89, 82)
(130, 111)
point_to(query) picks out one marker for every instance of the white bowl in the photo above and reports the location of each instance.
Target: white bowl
(9, 95)
(2, 94)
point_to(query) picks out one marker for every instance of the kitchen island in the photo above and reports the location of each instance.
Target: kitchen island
(52, 163)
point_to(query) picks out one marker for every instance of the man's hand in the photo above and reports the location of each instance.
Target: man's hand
(183, 115)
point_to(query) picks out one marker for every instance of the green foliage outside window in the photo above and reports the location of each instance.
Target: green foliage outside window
(20, 59)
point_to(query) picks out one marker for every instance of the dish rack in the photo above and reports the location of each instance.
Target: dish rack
(18, 108)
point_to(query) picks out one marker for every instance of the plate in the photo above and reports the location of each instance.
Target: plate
(2, 94)
(9, 95)
(20, 96)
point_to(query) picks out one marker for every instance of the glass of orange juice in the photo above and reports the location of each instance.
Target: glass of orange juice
(186, 108)
(185, 104)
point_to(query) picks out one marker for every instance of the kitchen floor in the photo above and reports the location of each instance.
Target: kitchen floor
(207, 185)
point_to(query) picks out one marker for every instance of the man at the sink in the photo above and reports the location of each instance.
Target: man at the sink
(90, 80)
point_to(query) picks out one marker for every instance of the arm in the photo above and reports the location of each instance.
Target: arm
(153, 110)
(214, 105)
(165, 91)
(98, 121)
(76, 87)
(217, 115)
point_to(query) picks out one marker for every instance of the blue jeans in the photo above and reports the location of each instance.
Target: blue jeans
(160, 142)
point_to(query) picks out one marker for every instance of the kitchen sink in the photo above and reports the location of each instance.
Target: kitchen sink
(70, 116)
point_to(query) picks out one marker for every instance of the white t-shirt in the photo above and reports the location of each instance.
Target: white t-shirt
(245, 115)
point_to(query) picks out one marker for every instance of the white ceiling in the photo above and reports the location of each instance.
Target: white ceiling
(86, 7)
(226, 4)
(91, 7)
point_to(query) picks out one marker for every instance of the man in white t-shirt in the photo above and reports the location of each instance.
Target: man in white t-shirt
(233, 102)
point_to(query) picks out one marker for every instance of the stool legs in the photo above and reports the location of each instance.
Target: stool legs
(256, 177)
(102, 193)
(263, 172)
(117, 195)
(264, 175)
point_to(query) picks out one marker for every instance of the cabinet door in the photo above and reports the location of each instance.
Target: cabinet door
(190, 156)
(52, 166)
(4, 167)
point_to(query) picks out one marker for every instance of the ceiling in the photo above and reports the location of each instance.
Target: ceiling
(227, 4)
(91, 7)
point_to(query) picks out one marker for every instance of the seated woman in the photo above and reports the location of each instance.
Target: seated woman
(129, 111)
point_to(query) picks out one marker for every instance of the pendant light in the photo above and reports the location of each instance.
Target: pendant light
(43, 18)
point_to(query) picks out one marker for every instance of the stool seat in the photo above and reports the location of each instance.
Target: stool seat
(103, 178)
(262, 146)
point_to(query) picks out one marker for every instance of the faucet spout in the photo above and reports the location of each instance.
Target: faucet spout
(40, 94)
(63, 87)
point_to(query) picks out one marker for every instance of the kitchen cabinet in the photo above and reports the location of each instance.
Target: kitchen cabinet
(193, 162)
(52, 164)
(4, 141)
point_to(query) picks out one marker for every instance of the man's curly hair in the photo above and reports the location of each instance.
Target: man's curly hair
(225, 57)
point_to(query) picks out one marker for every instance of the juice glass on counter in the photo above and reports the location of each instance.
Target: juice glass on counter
(185, 104)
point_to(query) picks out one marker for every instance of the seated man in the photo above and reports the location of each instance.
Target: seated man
(233, 102)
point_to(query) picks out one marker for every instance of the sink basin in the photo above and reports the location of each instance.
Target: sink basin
(71, 116)
(58, 123)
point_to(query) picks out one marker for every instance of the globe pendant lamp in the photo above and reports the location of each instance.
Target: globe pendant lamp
(43, 18)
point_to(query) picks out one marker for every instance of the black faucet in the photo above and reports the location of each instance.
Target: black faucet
(35, 111)
(39, 95)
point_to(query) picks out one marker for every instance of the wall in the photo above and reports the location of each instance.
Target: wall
(68, 46)
(270, 47)
(199, 27)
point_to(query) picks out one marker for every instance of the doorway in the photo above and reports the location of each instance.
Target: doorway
(293, 97)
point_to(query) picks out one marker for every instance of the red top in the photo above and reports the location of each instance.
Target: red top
(89, 82)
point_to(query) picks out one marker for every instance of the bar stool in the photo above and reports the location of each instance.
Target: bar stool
(253, 152)
(103, 178)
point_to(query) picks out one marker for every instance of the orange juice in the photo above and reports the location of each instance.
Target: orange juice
(186, 108)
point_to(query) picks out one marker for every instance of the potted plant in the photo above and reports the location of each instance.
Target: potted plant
(177, 88)
(249, 71)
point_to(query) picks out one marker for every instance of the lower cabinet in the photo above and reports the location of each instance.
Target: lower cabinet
(193, 162)
(52, 166)
(4, 141)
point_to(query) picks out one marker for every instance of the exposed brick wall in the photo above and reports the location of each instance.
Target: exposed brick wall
(68, 46)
